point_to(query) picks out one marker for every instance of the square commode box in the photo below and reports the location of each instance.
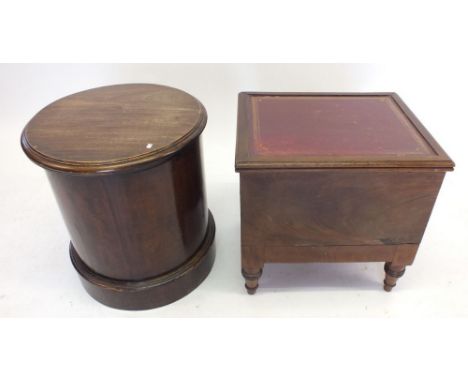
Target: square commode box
(125, 166)
(333, 178)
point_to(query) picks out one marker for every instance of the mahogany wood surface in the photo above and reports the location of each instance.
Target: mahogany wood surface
(112, 128)
(141, 233)
(336, 207)
(333, 177)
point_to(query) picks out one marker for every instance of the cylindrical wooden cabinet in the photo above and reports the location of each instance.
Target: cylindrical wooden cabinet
(124, 162)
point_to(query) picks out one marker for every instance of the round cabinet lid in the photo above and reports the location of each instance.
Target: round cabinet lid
(113, 128)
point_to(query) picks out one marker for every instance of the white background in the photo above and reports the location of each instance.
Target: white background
(37, 278)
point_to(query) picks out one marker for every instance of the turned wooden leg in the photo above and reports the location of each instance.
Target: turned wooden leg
(392, 273)
(251, 280)
(252, 266)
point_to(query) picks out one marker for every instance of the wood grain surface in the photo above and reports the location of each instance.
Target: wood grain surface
(113, 127)
(333, 177)
(336, 207)
(125, 166)
(136, 225)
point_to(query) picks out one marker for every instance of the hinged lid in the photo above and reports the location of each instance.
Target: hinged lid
(332, 130)
(112, 128)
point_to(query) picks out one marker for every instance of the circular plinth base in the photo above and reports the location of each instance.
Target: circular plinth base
(154, 292)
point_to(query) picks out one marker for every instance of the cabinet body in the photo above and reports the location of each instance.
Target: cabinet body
(138, 226)
(333, 177)
(125, 166)
(334, 215)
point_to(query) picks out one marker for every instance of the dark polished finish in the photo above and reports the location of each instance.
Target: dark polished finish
(333, 178)
(141, 234)
(392, 273)
(160, 290)
(113, 128)
(251, 280)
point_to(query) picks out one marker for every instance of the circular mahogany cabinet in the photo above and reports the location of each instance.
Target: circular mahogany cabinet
(124, 163)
